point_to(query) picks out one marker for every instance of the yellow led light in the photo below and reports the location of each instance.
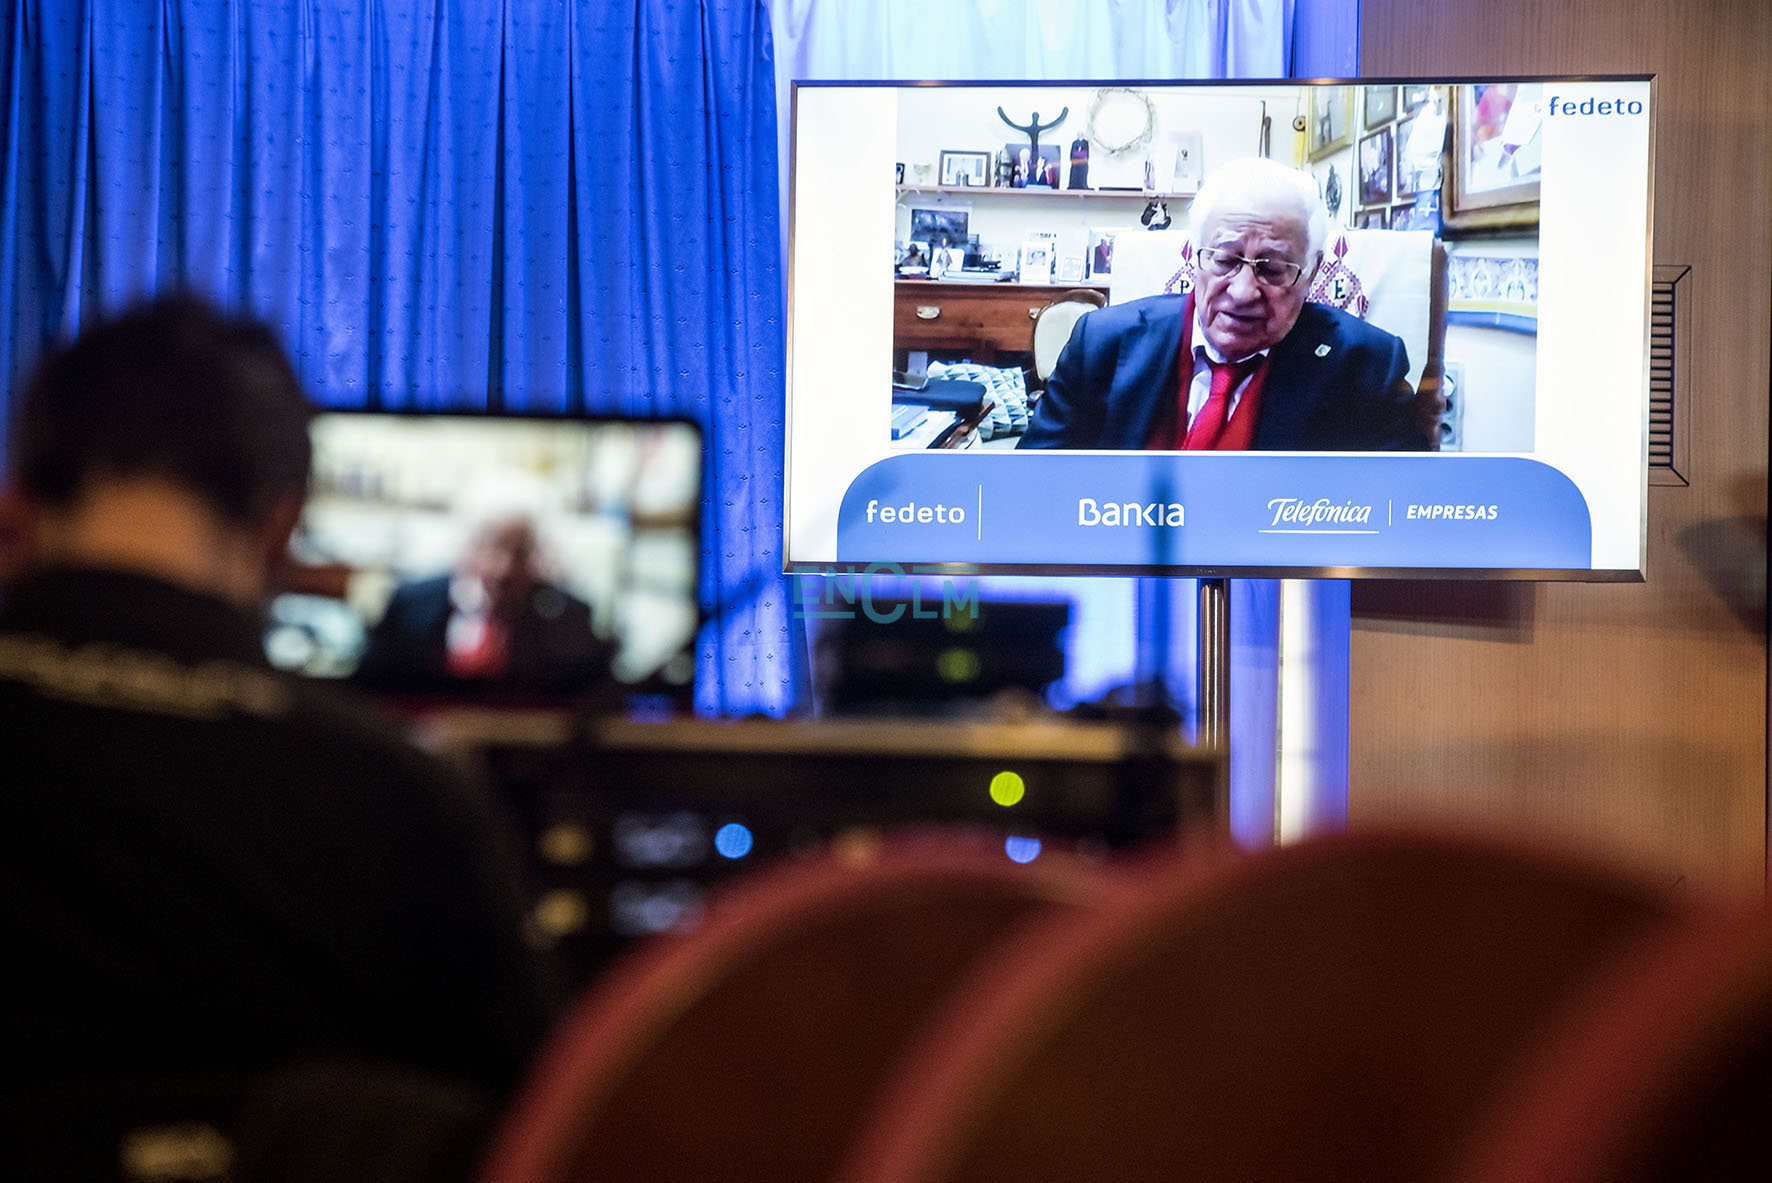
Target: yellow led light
(1007, 788)
(957, 665)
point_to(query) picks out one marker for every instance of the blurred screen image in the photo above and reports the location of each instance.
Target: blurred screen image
(477, 556)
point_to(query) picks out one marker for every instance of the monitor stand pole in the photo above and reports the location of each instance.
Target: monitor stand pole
(1213, 666)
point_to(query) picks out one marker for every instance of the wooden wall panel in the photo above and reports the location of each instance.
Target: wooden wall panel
(1630, 717)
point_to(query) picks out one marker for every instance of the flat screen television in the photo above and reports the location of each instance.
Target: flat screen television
(1498, 230)
(488, 558)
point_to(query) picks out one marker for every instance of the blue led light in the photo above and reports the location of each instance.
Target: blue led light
(1021, 850)
(733, 840)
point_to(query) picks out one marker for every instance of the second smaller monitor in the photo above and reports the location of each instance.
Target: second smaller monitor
(490, 557)
(905, 657)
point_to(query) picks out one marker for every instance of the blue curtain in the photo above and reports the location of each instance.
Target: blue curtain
(461, 204)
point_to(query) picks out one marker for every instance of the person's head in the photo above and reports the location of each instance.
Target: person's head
(165, 431)
(501, 559)
(1270, 215)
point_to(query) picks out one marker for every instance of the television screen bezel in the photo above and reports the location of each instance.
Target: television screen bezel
(909, 565)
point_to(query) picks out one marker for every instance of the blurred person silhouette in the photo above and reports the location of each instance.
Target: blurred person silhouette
(207, 866)
(495, 622)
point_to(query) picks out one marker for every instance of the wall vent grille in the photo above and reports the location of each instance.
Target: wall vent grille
(1667, 437)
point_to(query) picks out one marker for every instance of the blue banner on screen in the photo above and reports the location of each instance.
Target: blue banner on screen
(1249, 510)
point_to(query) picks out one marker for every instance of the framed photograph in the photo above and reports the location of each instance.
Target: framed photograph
(1381, 105)
(940, 227)
(1183, 154)
(965, 170)
(1371, 219)
(1331, 123)
(1414, 98)
(1070, 269)
(947, 261)
(1034, 264)
(1375, 168)
(1496, 148)
(1409, 177)
(1410, 217)
(1101, 250)
(1421, 153)
(1029, 172)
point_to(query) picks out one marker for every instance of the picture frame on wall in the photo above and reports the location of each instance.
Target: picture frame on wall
(940, 226)
(1409, 178)
(1421, 151)
(1331, 121)
(1414, 98)
(1407, 217)
(1494, 156)
(1380, 105)
(965, 170)
(1371, 219)
(1375, 167)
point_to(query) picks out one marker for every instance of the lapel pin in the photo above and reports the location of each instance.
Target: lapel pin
(1322, 351)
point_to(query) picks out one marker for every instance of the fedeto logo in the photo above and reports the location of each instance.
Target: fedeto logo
(1593, 106)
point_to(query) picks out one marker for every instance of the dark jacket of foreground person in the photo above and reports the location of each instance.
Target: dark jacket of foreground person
(209, 866)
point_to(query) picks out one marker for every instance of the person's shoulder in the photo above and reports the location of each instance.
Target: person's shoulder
(342, 726)
(1160, 305)
(425, 588)
(1325, 320)
(215, 719)
(555, 600)
(416, 604)
(344, 746)
(1145, 309)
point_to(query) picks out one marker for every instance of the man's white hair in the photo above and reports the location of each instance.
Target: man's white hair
(1254, 184)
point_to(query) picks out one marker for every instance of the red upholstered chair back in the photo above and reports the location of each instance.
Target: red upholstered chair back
(1336, 1010)
(1661, 1071)
(749, 1048)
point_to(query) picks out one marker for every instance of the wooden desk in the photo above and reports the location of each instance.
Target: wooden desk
(984, 319)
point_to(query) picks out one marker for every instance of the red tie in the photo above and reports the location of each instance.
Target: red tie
(479, 648)
(1208, 425)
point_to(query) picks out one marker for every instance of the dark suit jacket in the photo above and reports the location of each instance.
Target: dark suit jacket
(1335, 383)
(553, 650)
(210, 867)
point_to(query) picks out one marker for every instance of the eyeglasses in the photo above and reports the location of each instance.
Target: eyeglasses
(1273, 273)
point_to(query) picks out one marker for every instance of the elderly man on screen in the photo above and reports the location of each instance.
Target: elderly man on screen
(1243, 362)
